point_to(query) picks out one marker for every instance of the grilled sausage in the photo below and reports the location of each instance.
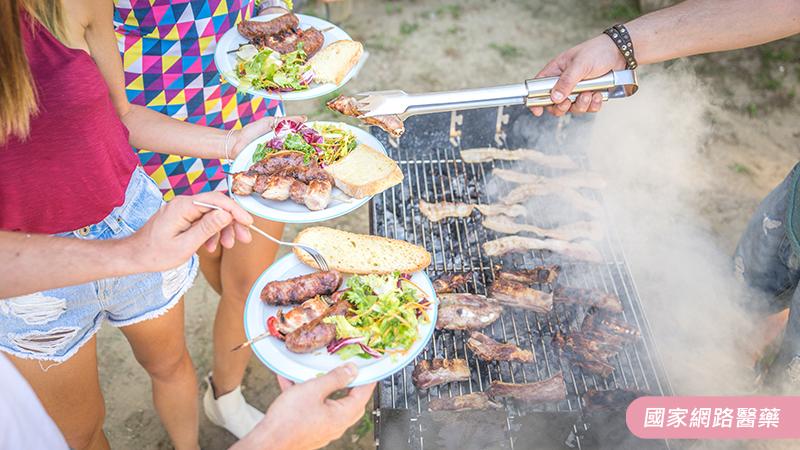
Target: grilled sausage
(300, 315)
(316, 334)
(254, 30)
(295, 290)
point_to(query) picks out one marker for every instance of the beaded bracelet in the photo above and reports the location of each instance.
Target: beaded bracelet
(622, 39)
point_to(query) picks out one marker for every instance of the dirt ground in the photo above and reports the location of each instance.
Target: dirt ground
(750, 143)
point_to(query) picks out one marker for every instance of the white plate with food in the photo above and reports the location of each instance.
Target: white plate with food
(310, 172)
(288, 57)
(317, 321)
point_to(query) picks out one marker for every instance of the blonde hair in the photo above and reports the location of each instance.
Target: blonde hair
(18, 102)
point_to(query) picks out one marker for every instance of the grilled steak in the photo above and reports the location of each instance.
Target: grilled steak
(475, 400)
(297, 289)
(466, 312)
(439, 371)
(449, 282)
(611, 400)
(587, 297)
(488, 349)
(479, 155)
(577, 250)
(545, 391)
(536, 275)
(349, 106)
(574, 180)
(300, 315)
(316, 334)
(517, 295)
(592, 231)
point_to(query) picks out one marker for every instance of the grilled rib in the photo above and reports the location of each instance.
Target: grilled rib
(439, 371)
(522, 192)
(577, 250)
(545, 391)
(466, 312)
(517, 295)
(601, 338)
(538, 274)
(488, 349)
(479, 155)
(450, 282)
(475, 400)
(592, 231)
(587, 297)
(573, 180)
(610, 400)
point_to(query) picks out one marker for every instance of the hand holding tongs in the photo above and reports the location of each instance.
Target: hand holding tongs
(536, 92)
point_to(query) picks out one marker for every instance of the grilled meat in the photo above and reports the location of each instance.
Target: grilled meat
(441, 210)
(577, 250)
(587, 297)
(538, 274)
(570, 232)
(479, 155)
(466, 312)
(300, 315)
(274, 163)
(316, 334)
(522, 192)
(276, 187)
(603, 323)
(545, 391)
(450, 282)
(574, 180)
(517, 295)
(580, 355)
(600, 338)
(488, 349)
(282, 34)
(475, 400)
(297, 289)
(284, 175)
(611, 400)
(439, 371)
(243, 183)
(349, 106)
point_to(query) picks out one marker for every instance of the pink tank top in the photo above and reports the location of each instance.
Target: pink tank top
(75, 165)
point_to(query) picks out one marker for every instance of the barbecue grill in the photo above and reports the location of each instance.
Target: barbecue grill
(428, 154)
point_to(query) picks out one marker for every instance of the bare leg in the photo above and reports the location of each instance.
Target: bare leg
(160, 348)
(240, 268)
(210, 264)
(70, 393)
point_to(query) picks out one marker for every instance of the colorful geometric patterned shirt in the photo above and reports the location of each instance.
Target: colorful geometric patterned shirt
(168, 59)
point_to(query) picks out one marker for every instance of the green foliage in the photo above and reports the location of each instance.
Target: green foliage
(406, 28)
(620, 10)
(741, 169)
(506, 50)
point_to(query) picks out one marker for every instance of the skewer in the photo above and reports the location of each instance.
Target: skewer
(251, 341)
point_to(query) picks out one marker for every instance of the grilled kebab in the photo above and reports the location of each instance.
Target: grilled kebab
(316, 334)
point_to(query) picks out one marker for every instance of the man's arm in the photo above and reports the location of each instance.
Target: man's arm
(689, 28)
(33, 263)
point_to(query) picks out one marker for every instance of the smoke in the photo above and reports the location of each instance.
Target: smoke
(650, 148)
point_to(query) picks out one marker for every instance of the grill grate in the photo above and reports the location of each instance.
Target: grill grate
(429, 157)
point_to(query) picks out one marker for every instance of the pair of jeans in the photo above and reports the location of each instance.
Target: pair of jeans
(766, 260)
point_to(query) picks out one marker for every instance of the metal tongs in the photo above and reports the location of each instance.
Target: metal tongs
(536, 92)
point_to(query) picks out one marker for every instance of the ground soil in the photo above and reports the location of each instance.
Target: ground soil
(750, 141)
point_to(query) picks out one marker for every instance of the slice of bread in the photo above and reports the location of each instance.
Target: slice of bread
(365, 172)
(361, 254)
(332, 63)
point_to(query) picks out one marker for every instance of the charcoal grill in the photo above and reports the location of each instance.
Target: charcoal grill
(428, 155)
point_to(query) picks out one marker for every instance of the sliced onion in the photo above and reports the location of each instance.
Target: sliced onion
(338, 344)
(370, 351)
(276, 143)
(307, 77)
(286, 126)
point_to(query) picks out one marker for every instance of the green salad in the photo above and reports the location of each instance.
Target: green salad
(322, 143)
(385, 316)
(269, 70)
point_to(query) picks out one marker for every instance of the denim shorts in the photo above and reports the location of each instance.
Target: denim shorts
(52, 325)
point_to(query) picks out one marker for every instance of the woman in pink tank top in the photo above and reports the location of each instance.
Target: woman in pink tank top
(66, 129)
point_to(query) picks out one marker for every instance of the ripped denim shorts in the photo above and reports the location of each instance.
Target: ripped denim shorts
(52, 325)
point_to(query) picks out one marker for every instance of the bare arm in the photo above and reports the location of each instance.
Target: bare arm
(689, 28)
(150, 129)
(33, 263)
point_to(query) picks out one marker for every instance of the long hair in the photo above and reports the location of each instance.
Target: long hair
(18, 100)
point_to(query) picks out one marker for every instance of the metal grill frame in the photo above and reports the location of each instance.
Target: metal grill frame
(433, 175)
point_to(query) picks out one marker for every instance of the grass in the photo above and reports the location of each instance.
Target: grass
(506, 50)
(740, 169)
(407, 28)
(392, 9)
(752, 109)
(620, 11)
(454, 10)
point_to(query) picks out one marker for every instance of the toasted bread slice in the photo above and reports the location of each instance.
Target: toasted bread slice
(332, 63)
(365, 172)
(361, 254)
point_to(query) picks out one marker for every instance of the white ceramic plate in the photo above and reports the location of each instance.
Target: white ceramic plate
(288, 211)
(231, 40)
(302, 367)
